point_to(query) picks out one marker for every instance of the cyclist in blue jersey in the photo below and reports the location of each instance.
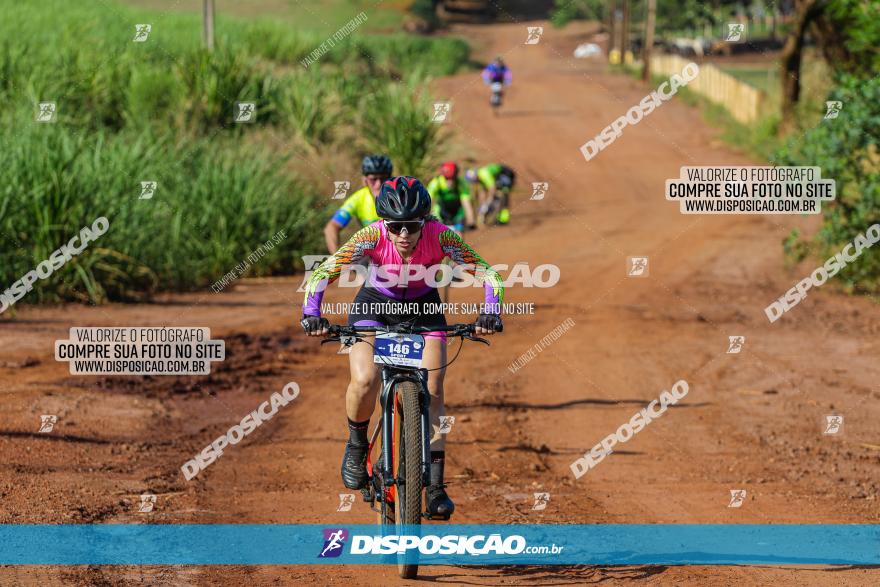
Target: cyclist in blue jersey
(362, 203)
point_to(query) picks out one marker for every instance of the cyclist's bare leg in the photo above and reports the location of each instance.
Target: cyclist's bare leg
(485, 198)
(433, 357)
(360, 398)
(486, 205)
(436, 500)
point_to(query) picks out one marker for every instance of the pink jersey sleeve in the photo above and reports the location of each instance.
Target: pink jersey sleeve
(360, 245)
(462, 254)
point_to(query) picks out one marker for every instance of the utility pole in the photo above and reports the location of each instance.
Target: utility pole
(649, 40)
(615, 15)
(610, 7)
(208, 23)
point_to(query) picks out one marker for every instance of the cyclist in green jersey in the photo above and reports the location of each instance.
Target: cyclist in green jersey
(362, 203)
(451, 198)
(490, 181)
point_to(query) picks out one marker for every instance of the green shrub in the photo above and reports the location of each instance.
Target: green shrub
(163, 110)
(312, 108)
(216, 201)
(846, 150)
(566, 11)
(154, 95)
(397, 121)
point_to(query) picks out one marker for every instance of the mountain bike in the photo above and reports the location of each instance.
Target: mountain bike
(497, 93)
(488, 213)
(402, 437)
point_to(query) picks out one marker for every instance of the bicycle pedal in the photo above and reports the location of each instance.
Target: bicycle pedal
(367, 494)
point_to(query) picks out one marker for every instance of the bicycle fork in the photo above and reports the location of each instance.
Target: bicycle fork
(390, 378)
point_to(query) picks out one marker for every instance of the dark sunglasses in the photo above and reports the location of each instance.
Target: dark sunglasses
(397, 226)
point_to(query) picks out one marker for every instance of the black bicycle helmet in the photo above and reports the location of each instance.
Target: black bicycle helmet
(505, 178)
(377, 165)
(403, 198)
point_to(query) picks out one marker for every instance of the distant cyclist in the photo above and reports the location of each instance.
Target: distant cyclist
(362, 203)
(493, 181)
(407, 236)
(496, 76)
(452, 198)
(497, 72)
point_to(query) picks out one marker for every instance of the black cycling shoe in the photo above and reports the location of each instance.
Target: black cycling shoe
(440, 507)
(354, 465)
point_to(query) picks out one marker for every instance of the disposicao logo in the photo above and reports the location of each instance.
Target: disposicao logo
(334, 542)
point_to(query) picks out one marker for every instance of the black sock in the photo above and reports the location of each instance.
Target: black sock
(357, 431)
(438, 459)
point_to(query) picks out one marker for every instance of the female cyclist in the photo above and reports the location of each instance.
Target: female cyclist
(407, 236)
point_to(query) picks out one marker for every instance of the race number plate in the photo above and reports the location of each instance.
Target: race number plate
(399, 349)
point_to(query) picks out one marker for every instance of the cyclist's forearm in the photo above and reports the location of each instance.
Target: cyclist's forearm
(327, 272)
(468, 212)
(494, 294)
(312, 304)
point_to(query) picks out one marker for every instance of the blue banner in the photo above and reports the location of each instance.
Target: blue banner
(481, 544)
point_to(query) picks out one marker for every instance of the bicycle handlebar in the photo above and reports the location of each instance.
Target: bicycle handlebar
(455, 329)
(465, 331)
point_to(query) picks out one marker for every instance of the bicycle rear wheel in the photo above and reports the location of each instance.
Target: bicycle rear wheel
(408, 470)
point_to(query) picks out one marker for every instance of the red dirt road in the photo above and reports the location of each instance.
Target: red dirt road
(751, 420)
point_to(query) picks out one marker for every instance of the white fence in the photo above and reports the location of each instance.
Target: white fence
(744, 102)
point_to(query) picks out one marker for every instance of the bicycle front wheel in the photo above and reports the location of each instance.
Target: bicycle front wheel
(385, 511)
(408, 502)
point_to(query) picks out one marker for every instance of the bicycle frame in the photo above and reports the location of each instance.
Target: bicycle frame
(497, 93)
(391, 376)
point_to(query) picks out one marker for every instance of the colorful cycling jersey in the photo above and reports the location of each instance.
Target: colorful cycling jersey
(493, 73)
(488, 174)
(361, 205)
(436, 243)
(442, 190)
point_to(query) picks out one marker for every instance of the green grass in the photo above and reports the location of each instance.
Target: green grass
(216, 200)
(758, 139)
(163, 110)
(816, 81)
(764, 77)
(319, 16)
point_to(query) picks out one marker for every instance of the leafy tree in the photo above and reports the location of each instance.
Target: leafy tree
(846, 31)
(846, 150)
(849, 35)
(682, 15)
(569, 10)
